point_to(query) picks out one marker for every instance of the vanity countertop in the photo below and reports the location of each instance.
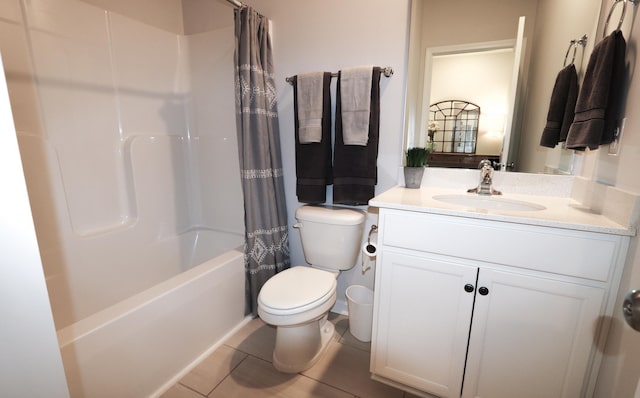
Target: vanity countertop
(559, 212)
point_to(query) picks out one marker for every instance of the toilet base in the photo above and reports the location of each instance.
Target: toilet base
(299, 347)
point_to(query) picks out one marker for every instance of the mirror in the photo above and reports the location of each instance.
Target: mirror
(509, 129)
(453, 126)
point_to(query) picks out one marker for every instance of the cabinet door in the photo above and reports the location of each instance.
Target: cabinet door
(422, 322)
(531, 337)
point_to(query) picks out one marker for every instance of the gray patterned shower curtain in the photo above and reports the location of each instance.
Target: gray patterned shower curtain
(266, 250)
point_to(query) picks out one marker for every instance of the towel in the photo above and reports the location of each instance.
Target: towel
(355, 171)
(309, 96)
(561, 107)
(313, 160)
(355, 98)
(599, 101)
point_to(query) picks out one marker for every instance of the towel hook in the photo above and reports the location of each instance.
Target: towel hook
(624, 11)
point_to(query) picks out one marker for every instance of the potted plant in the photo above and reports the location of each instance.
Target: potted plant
(415, 161)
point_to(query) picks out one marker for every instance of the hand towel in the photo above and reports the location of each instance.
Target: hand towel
(355, 98)
(313, 160)
(561, 107)
(600, 99)
(309, 97)
(355, 171)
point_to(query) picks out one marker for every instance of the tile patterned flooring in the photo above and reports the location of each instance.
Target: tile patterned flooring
(242, 368)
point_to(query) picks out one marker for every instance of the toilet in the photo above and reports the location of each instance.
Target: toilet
(297, 301)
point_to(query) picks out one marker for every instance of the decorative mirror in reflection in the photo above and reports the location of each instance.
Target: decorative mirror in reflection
(453, 126)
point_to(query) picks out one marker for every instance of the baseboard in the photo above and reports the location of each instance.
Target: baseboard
(340, 307)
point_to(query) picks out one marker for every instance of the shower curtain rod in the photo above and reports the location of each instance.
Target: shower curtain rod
(235, 3)
(387, 71)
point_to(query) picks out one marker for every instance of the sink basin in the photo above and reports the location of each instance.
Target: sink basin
(489, 202)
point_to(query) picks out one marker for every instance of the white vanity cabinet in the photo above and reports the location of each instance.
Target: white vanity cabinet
(490, 309)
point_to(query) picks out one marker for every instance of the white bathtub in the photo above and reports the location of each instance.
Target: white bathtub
(144, 344)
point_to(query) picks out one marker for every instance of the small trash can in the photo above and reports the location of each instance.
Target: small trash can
(360, 304)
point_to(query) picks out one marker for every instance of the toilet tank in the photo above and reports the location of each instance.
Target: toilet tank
(331, 236)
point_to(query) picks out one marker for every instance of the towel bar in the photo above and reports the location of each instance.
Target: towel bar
(387, 71)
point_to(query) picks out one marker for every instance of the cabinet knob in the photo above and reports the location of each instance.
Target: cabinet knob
(483, 291)
(468, 288)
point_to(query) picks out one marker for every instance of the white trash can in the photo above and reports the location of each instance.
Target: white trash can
(360, 303)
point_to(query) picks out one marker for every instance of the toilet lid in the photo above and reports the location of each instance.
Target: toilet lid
(297, 287)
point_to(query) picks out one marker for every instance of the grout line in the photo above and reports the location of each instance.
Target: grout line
(329, 385)
(244, 352)
(262, 360)
(324, 382)
(189, 388)
(344, 342)
(230, 371)
(235, 367)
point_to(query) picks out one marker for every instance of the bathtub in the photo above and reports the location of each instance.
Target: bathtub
(142, 345)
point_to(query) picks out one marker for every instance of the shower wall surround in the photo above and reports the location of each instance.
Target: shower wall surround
(122, 127)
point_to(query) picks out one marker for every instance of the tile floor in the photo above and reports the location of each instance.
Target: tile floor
(242, 368)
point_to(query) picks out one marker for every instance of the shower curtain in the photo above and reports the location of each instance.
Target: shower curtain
(266, 250)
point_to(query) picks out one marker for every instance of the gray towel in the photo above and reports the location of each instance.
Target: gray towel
(561, 107)
(600, 99)
(313, 160)
(309, 98)
(355, 99)
(355, 172)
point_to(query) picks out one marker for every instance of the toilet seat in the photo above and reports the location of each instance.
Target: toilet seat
(296, 291)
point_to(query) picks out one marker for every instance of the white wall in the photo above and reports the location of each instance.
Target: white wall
(30, 364)
(201, 16)
(163, 14)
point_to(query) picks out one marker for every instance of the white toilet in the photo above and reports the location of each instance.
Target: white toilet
(297, 300)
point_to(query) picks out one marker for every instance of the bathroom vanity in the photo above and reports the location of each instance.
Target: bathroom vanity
(474, 300)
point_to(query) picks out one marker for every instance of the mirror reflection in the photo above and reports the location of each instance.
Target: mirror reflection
(453, 126)
(503, 56)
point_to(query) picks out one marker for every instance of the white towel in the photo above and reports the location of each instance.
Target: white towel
(355, 95)
(310, 93)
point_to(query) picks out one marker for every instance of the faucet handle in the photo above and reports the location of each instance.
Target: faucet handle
(505, 166)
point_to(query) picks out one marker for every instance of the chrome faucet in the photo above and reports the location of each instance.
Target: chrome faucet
(485, 187)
